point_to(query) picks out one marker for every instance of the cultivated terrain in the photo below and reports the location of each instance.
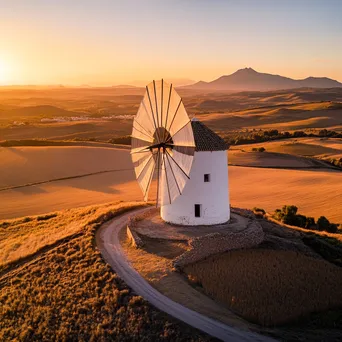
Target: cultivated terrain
(64, 155)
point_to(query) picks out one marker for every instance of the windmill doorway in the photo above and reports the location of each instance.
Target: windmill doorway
(198, 210)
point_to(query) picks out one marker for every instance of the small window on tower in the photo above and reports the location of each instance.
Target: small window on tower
(206, 177)
(197, 210)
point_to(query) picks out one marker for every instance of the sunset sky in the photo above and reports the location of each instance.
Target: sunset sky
(113, 42)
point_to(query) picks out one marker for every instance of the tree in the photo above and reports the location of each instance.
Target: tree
(290, 210)
(300, 221)
(310, 222)
(323, 223)
(332, 228)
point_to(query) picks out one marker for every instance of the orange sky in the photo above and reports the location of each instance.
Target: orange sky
(115, 42)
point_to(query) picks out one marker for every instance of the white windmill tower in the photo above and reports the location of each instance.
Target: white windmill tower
(189, 160)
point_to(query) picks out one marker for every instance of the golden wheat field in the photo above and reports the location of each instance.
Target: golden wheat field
(269, 287)
(316, 192)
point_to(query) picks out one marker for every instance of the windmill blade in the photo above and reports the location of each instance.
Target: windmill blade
(174, 180)
(144, 120)
(182, 161)
(171, 189)
(140, 134)
(145, 176)
(162, 142)
(177, 121)
(159, 180)
(140, 162)
(137, 143)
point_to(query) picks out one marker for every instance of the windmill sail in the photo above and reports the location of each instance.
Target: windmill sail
(162, 142)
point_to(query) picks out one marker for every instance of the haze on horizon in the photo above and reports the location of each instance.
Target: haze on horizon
(114, 42)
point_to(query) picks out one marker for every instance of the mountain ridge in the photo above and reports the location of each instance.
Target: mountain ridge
(252, 80)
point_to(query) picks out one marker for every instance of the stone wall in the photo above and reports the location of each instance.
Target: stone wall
(134, 238)
(204, 246)
(243, 212)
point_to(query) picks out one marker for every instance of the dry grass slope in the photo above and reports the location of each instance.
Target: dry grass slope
(270, 287)
(69, 293)
(22, 237)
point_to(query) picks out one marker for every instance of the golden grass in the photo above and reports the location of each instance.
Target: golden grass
(69, 293)
(270, 287)
(24, 236)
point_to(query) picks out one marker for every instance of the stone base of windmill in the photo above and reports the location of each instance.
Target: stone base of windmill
(242, 231)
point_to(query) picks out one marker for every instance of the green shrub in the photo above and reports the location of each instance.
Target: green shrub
(124, 140)
(290, 210)
(323, 223)
(310, 222)
(333, 228)
(301, 221)
(258, 149)
(288, 215)
(278, 215)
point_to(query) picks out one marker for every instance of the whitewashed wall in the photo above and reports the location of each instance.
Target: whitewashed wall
(213, 196)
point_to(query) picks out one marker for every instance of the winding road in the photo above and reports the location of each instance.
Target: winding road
(107, 239)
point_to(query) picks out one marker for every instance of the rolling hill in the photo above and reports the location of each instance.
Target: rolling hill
(249, 79)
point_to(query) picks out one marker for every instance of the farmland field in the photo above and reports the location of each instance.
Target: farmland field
(297, 285)
(249, 187)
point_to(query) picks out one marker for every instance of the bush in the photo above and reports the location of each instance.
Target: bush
(290, 210)
(249, 137)
(310, 223)
(278, 215)
(258, 149)
(288, 215)
(333, 228)
(301, 221)
(124, 140)
(323, 223)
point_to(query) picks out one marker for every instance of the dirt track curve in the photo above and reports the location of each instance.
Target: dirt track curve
(107, 240)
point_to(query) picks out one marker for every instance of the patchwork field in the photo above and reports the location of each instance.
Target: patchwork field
(273, 159)
(287, 117)
(106, 113)
(315, 192)
(296, 286)
(313, 147)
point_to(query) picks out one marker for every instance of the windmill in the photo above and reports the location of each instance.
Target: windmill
(162, 143)
(189, 160)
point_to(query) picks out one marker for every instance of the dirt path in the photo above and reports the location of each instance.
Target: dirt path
(107, 239)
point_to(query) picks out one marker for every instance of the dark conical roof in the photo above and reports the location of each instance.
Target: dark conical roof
(206, 139)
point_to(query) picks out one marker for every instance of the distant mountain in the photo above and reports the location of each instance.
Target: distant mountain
(249, 79)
